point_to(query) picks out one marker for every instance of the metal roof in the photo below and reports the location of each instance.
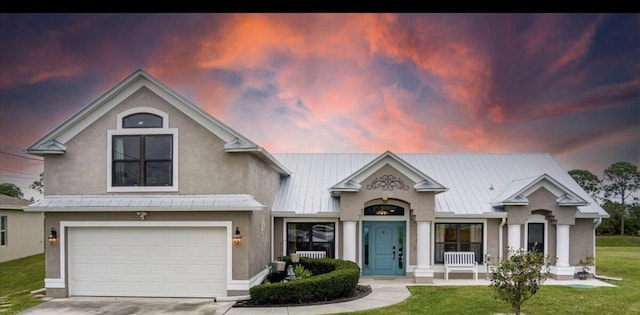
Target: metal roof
(147, 202)
(474, 179)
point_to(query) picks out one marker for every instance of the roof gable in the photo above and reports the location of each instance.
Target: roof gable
(517, 192)
(352, 182)
(54, 141)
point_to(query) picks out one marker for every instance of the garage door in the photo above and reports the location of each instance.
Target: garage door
(147, 261)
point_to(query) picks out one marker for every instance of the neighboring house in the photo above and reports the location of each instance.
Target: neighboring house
(21, 233)
(146, 192)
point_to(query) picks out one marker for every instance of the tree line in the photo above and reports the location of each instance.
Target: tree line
(615, 193)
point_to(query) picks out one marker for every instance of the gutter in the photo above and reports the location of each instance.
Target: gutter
(596, 223)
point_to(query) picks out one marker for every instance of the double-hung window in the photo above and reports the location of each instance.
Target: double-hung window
(142, 152)
(3, 230)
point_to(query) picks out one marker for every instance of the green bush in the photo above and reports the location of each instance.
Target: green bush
(333, 278)
(301, 272)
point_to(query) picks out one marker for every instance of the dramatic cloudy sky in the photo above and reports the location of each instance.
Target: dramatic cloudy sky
(566, 84)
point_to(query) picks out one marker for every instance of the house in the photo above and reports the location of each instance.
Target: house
(21, 233)
(148, 195)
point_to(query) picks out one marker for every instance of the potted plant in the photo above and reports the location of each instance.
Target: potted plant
(278, 265)
(295, 258)
(585, 263)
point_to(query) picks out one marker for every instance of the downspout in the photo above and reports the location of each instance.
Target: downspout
(500, 241)
(596, 223)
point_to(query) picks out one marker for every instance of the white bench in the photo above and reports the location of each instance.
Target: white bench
(460, 261)
(312, 253)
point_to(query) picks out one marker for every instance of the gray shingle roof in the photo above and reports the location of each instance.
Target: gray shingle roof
(474, 180)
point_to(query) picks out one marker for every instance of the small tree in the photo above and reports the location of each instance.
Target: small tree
(518, 277)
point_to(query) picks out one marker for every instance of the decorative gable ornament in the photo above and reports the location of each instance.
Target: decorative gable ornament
(387, 182)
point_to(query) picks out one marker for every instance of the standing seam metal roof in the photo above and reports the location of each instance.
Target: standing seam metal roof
(469, 177)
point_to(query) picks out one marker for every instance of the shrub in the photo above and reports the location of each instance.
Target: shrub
(301, 272)
(333, 278)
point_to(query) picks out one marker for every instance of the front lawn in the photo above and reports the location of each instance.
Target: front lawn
(17, 279)
(620, 259)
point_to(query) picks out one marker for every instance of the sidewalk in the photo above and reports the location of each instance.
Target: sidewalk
(385, 293)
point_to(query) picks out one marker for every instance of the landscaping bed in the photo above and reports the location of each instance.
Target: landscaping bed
(331, 280)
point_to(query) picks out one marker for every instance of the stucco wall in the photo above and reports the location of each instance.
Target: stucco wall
(25, 235)
(541, 199)
(582, 231)
(263, 184)
(203, 167)
(493, 239)
(422, 203)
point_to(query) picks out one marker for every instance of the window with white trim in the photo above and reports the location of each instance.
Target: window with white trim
(142, 160)
(142, 152)
(458, 237)
(3, 230)
(311, 236)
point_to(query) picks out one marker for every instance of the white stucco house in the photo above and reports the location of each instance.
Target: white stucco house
(148, 195)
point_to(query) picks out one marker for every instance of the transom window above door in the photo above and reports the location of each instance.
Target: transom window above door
(384, 210)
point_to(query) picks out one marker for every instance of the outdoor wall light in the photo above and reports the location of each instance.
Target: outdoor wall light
(237, 237)
(53, 237)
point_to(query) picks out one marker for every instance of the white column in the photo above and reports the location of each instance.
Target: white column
(349, 240)
(423, 272)
(562, 245)
(513, 233)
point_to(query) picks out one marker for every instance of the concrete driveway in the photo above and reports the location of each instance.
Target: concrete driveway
(138, 306)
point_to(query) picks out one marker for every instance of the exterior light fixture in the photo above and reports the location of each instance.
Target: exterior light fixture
(53, 237)
(382, 212)
(237, 238)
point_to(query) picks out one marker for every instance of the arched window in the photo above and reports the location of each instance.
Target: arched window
(142, 120)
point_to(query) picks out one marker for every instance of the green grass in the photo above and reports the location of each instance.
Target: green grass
(617, 241)
(621, 258)
(17, 279)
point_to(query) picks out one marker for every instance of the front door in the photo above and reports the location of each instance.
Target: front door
(383, 248)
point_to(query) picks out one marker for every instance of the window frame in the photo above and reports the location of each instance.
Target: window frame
(120, 131)
(3, 231)
(142, 159)
(483, 233)
(332, 252)
(537, 218)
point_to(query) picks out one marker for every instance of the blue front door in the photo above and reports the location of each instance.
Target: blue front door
(383, 248)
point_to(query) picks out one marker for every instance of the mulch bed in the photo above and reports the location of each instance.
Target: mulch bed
(360, 292)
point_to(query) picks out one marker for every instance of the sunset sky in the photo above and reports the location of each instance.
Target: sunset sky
(566, 84)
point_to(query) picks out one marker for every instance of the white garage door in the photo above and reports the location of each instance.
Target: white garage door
(147, 261)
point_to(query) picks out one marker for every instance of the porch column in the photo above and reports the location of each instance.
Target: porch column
(423, 272)
(349, 239)
(562, 245)
(562, 269)
(513, 232)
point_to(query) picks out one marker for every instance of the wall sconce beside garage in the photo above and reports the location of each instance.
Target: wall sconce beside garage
(237, 237)
(53, 237)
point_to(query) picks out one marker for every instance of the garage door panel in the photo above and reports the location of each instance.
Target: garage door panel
(147, 261)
